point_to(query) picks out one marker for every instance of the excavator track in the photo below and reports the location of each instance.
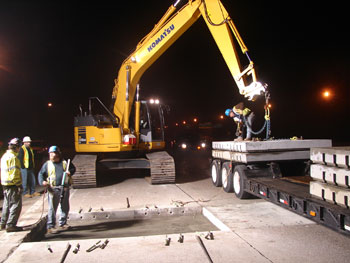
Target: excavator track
(85, 174)
(162, 168)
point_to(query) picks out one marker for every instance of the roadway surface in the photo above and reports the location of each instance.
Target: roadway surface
(246, 230)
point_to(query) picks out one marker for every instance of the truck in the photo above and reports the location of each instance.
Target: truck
(308, 177)
(130, 133)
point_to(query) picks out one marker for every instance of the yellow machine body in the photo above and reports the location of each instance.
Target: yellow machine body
(112, 131)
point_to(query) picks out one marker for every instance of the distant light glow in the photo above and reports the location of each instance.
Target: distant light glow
(221, 117)
(184, 146)
(184, 122)
(327, 94)
(195, 120)
(154, 101)
(49, 105)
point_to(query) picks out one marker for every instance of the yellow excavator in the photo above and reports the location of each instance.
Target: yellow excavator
(132, 128)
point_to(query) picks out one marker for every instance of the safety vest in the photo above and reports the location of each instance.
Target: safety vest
(51, 173)
(10, 169)
(26, 156)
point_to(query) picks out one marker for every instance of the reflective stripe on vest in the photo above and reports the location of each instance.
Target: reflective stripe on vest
(10, 169)
(26, 156)
(51, 173)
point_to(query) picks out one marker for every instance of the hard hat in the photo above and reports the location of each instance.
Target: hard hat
(54, 149)
(227, 112)
(14, 141)
(27, 139)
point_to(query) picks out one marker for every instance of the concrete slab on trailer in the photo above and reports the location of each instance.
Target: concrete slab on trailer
(333, 156)
(330, 193)
(331, 175)
(261, 157)
(273, 145)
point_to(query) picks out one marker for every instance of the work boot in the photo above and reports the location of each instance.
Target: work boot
(36, 194)
(64, 227)
(28, 195)
(52, 230)
(13, 229)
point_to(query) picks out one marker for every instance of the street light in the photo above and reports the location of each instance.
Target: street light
(49, 105)
(327, 94)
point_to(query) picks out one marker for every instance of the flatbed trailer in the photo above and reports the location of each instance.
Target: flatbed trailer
(277, 171)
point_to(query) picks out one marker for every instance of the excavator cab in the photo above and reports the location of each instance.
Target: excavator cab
(151, 123)
(99, 127)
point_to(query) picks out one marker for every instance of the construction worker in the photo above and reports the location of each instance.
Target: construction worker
(244, 118)
(51, 175)
(11, 181)
(26, 157)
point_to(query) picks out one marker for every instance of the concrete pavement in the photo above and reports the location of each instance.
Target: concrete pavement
(256, 230)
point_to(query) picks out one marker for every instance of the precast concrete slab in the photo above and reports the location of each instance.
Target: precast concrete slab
(331, 156)
(298, 243)
(330, 193)
(241, 157)
(225, 247)
(272, 145)
(331, 175)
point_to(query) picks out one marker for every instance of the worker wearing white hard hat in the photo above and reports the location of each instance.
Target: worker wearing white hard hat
(11, 181)
(26, 157)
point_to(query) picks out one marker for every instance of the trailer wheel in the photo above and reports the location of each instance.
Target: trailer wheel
(215, 173)
(227, 178)
(239, 178)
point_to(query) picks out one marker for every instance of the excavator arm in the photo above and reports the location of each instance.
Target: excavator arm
(111, 134)
(171, 26)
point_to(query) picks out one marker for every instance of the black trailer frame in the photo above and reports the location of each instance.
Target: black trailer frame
(266, 182)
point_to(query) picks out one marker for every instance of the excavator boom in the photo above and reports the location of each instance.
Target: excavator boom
(165, 33)
(110, 133)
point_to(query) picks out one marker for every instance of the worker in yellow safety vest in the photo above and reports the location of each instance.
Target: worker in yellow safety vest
(51, 175)
(26, 157)
(244, 118)
(11, 181)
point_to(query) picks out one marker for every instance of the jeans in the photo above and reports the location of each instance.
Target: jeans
(54, 197)
(28, 179)
(12, 206)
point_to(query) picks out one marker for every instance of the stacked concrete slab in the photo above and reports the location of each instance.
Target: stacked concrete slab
(266, 151)
(331, 171)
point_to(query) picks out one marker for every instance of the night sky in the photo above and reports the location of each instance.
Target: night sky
(64, 53)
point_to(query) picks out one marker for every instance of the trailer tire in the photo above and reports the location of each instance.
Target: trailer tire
(239, 179)
(215, 173)
(227, 177)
